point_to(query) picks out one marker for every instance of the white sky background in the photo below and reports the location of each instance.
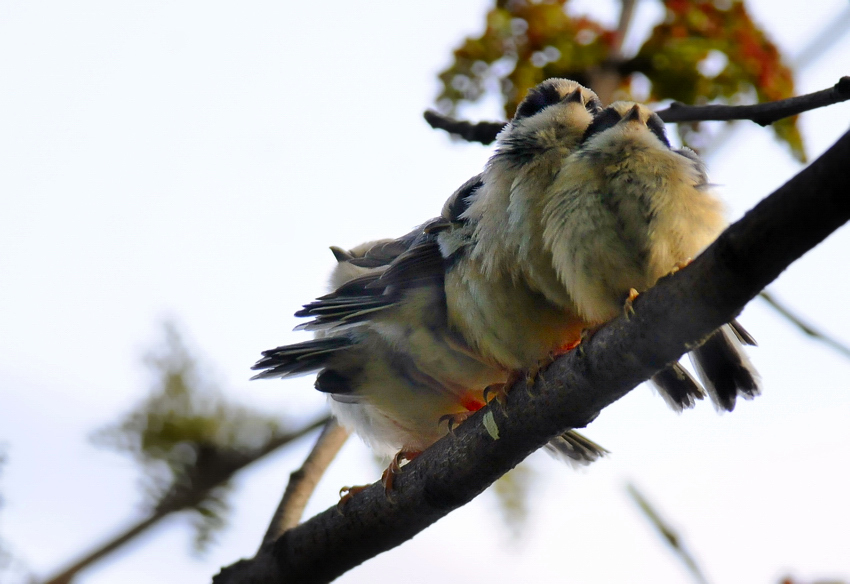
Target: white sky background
(195, 160)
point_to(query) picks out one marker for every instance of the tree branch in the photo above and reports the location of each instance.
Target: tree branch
(220, 468)
(303, 481)
(481, 132)
(673, 316)
(762, 113)
(667, 533)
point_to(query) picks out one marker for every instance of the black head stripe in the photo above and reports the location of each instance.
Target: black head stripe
(537, 100)
(657, 127)
(607, 118)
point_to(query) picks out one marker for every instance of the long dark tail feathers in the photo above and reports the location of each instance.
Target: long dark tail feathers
(724, 367)
(575, 449)
(678, 387)
(300, 358)
(742, 334)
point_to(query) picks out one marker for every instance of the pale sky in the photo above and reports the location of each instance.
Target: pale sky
(195, 160)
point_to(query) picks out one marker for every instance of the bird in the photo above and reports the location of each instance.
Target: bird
(627, 209)
(393, 359)
(418, 330)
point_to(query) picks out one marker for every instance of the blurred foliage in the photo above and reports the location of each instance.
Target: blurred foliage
(512, 493)
(187, 439)
(703, 51)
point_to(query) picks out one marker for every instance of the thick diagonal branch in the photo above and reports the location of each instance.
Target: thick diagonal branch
(761, 113)
(671, 317)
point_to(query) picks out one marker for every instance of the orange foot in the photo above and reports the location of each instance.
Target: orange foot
(681, 265)
(628, 309)
(456, 419)
(347, 493)
(394, 468)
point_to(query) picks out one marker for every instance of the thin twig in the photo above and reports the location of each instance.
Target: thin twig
(182, 498)
(667, 533)
(804, 326)
(762, 113)
(303, 481)
(481, 132)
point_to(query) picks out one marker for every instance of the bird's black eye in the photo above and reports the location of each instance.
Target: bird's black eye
(605, 119)
(537, 100)
(593, 105)
(656, 126)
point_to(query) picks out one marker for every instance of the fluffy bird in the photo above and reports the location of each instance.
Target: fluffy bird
(578, 209)
(390, 349)
(627, 209)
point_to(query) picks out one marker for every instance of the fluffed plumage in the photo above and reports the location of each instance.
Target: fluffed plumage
(388, 352)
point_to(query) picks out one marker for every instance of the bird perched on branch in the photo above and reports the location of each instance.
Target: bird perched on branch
(627, 209)
(419, 329)
(399, 368)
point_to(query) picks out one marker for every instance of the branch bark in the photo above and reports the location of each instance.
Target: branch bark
(762, 113)
(303, 481)
(676, 314)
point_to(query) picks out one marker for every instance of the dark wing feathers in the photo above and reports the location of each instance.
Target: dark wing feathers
(461, 198)
(398, 265)
(383, 253)
(421, 263)
(306, 357)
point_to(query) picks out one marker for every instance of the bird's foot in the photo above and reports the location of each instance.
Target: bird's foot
(394, 468)
(456, 419)
(347, 493)
(628, 306)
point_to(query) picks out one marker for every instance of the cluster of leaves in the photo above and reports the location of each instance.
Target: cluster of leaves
(703, 51)
(187, 439)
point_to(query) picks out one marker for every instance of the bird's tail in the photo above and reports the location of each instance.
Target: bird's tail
(724, 367)
(678, 388)
(575, 449)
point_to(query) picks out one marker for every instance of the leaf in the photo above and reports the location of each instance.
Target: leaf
(523, 44)
(185, 436)
(676, 56)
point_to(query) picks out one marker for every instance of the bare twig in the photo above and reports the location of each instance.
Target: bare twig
(303, 481)
(220, 468)
(762, 113)
(802, 325)
(667, 533)
(677, 313)
(481, 132)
